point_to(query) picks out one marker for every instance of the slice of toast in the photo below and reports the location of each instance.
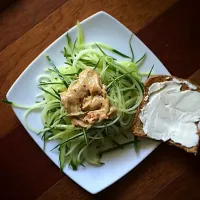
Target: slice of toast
(137, 128)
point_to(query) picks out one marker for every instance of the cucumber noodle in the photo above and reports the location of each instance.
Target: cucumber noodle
(124, 91)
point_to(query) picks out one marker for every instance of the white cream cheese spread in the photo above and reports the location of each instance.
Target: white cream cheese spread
(171, 113)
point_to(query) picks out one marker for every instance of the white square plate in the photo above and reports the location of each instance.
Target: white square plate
(104, 28)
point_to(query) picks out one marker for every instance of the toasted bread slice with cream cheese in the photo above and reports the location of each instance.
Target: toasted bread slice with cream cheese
(138, 125)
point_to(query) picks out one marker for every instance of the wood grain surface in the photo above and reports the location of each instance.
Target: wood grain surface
(170, 28)
(174, 38)
(21, 16)
(5, 4)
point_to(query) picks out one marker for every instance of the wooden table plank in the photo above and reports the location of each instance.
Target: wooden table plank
(195, 78)
(65, 189)
(174, 38)
(21, 16)
(166, 165)
(5, 4)
(26, 171)
(16, 57)
(185, 187)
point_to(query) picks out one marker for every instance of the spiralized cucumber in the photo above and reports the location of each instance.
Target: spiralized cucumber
(124, 91)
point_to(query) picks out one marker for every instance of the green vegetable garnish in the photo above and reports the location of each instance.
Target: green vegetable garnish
(85, 136)
(100, 49)
(140, 60)
(55, 68)
(7, 102)
(120, 146)
(48, 92)
(132, 59)
(150, 71)
(124, 87)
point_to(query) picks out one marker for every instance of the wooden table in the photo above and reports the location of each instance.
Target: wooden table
(171, 28)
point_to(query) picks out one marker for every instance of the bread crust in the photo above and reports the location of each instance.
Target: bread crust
(137, 127)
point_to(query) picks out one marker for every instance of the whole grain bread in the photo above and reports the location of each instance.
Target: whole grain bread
(137, 127)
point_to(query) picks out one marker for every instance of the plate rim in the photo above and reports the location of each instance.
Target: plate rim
(94, 190)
